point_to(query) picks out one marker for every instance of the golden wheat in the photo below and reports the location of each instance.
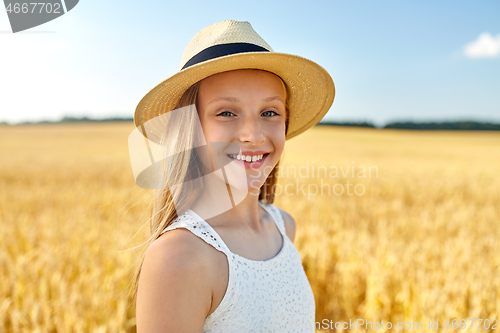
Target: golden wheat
(418, 241)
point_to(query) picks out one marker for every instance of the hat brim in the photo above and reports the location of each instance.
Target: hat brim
(309, 86)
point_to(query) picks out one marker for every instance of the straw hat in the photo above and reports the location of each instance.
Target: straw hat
(231, 45)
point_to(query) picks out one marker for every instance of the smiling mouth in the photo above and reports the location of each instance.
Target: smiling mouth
(247, 158)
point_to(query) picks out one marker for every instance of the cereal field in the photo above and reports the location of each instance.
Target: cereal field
(412, 235)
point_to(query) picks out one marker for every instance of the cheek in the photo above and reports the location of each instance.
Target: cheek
(279, 131)
(212, 130)
(278, 137)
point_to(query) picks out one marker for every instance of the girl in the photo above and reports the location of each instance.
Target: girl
(221, 257)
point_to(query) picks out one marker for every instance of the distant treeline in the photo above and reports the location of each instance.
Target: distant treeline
(449, 125)
(347, 123)
(73, 119)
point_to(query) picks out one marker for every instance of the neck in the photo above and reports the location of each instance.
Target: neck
(214, 205)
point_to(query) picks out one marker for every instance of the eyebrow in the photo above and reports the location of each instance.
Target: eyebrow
(224, 98)
(234, 99)
(273, 98)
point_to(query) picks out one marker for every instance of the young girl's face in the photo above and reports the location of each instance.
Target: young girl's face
(246, 110)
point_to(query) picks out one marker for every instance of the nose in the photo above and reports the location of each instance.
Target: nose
(251, 132)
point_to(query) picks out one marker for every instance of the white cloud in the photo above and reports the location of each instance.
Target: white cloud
(485, 46)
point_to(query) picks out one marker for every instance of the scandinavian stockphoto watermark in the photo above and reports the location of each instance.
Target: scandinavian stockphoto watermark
(24, 15)
(311, 180)
(170, 152)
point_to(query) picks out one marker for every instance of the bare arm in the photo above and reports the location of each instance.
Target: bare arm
(290, 225)
(173, 293)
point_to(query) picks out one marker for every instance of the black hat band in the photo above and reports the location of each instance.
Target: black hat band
(222, 50)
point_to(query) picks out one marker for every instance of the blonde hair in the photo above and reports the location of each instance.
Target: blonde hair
(187, 165)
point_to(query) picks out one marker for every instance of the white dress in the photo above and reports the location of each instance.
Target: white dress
(272, 295)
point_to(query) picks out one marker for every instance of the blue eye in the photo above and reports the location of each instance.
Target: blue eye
(274, 113)
(225, 112)
(269, 113)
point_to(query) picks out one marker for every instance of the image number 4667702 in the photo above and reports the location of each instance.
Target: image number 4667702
(25, 15)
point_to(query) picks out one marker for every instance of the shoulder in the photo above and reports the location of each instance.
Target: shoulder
(179, 246)
(174, 293)
(290, 225)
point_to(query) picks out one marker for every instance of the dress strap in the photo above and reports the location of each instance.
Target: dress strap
(194, 223)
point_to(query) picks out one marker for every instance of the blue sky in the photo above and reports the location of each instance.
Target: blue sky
(390, 60)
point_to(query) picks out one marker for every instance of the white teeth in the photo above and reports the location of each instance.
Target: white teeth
(247, 158)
